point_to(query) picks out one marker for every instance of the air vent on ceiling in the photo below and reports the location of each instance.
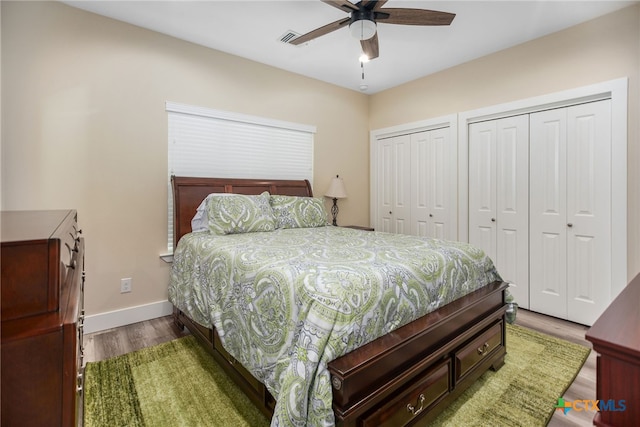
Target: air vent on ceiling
(288, 36)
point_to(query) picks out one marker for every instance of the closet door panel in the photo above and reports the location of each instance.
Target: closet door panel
(431, 189)
(507, 248)
(588, 210)
(385, 184)
(548, 226)
(393, 185)
(512, 205)
(420, 154)
(548, 275)
(401, 212)
(499, 198)
(482, 187)
(440, 191)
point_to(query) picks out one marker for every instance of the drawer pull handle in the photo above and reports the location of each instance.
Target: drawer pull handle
(76, 239)
(412, 409)
(483, 350)
(336, 382)
(79, 383)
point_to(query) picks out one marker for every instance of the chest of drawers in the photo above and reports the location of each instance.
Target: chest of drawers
(616, 339)
(42, 279)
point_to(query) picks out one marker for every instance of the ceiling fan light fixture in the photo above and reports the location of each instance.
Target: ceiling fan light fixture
(362, 29)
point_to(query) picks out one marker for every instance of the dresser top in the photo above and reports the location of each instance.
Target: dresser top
(617, 328)
(17, 226)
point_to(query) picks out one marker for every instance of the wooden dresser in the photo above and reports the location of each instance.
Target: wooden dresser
(42, 263)
(616, 339)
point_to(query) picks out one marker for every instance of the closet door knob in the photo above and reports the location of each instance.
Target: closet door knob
(569, 225)
(430, 215)
(493, 220)
(390, 212)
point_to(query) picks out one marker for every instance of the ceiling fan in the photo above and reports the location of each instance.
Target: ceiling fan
(364, 17)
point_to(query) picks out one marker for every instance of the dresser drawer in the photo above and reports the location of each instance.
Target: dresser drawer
(473, 353)
(415, 400)
(37, 249)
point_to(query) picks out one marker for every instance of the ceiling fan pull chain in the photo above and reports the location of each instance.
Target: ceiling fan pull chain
(363, 85)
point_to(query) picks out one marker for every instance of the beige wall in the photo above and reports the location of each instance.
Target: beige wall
(86, 128)
(599, 50)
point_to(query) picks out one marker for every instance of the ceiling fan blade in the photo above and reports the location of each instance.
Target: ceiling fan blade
(414, 17)
(370, 47)
(326, 29)
(373, 4)
(343, 5)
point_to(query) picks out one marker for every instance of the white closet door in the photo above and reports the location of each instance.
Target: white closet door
(385, 184)
(512, 205)
(588, 210)
(548, 224)
(499, 198)
(430, 184)
(394, 193)
(571, 211)
(482, 187)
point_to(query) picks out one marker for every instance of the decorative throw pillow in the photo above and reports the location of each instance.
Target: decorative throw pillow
(298, 212)
(200, 221)
(239, 213)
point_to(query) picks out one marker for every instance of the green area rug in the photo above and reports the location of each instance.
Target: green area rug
(179, 384)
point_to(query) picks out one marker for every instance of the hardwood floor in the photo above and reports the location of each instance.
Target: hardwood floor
(114, 342)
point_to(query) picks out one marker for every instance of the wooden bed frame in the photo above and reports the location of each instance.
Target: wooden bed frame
(406, 377)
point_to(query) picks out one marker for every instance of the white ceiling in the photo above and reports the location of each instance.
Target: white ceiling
(252, 29)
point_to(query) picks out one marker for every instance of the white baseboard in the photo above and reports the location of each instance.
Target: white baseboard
(126, 316)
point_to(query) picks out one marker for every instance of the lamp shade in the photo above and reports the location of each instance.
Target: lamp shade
(362, 29)
(336, 189)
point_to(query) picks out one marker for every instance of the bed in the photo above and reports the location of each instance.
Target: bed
(405, 375)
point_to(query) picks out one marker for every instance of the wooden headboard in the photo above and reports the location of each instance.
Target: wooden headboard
(189, 192)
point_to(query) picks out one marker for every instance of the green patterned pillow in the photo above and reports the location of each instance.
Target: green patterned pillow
(239, 213)
(298, 212)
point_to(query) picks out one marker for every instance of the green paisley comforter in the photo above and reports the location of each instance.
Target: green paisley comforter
(289, 301)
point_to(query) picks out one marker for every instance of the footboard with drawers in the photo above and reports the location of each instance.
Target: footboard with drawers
(407, 377)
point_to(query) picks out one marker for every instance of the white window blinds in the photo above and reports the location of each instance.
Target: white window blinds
(211, 143)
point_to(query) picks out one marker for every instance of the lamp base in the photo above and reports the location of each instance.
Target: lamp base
(334, 210)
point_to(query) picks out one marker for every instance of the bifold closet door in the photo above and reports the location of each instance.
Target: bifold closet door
(431, 185)
(570, 220)
(393, 185)
(499, 198)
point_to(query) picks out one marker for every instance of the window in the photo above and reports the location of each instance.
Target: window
(211, 143)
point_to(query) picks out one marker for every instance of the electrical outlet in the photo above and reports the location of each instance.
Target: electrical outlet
(125, 285)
